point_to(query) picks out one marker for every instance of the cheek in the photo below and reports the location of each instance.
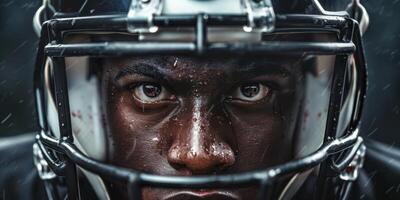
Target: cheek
(134, 134)
(267, 139)
(267, 133)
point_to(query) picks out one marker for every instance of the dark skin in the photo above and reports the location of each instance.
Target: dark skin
(194, 116)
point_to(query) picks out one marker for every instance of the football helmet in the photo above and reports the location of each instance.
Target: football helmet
(74, 136)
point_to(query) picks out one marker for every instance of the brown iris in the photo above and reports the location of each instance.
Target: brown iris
(250, 90)
(151, 90)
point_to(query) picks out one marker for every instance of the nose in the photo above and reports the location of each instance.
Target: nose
(201, 146)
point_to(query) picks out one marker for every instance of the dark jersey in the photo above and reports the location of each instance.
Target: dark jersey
(19, 180)
(18, 176)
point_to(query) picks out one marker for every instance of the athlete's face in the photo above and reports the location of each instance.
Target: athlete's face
(196, 116)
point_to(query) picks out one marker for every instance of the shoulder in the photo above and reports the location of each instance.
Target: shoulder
(380, 177)
(18, 176)
(16, 153)
(16, 144)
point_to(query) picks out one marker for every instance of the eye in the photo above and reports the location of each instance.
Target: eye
(251, 92)
(150, 93)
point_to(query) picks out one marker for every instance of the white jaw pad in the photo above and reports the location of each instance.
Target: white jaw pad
(85, 107)
(315, 109)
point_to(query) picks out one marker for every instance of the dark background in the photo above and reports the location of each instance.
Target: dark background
(381, 119)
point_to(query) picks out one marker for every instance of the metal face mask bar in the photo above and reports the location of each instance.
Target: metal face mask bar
(67, 155)
(287, 23)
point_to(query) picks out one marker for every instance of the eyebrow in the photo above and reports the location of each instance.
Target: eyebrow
(145, 69)
(252, 69)
(263, 67)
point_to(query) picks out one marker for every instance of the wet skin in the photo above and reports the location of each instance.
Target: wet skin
(194, 116)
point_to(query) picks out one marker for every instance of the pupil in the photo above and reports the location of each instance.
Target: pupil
(151, 90)
(250, 90)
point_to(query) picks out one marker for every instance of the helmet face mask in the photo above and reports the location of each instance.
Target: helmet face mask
(185, 106)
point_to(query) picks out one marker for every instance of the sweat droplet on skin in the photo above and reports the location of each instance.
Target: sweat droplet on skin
(175, 63)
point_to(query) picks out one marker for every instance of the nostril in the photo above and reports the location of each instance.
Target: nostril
(204, 160)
